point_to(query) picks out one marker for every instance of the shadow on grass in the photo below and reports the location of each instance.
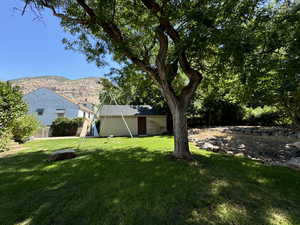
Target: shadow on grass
(137, 186)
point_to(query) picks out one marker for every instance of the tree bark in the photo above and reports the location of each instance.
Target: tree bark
(181, 144)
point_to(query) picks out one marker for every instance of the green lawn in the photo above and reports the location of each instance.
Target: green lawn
(130, 181)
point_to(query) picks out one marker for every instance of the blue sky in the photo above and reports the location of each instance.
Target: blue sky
(33, 48)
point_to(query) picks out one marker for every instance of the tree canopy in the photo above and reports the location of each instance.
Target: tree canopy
(177, 43)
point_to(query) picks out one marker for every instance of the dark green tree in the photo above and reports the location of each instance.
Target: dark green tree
(175, 42)
(272, 68)
(134, 87)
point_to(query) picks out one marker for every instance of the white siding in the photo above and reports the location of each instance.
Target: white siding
(116, 126)
(156, 125)
(49, 101)
(80, 113)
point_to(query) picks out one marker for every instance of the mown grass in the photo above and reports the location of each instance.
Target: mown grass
(130, 181)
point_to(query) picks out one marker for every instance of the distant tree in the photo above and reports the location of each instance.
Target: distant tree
(133, 87)
(176, 43)
(12, 107)
(273, 67)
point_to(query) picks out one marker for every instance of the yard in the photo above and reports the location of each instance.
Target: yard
(130, 181)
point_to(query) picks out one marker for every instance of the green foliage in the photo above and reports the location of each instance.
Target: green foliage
(216, 112)
(216, 36)
(12, 107)
(263, 116)
(132, 87)
(271, 72)
(24, 127)
(65, 126)
(4, 140)
(247, 49)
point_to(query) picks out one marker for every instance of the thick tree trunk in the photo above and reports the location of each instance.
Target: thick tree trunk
(181, 144)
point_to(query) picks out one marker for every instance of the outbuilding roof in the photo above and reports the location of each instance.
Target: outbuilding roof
(128, 110)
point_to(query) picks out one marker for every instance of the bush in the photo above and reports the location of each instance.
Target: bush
(12, 107)
(4, 139)
(262, 116)
(24, 127)
(217, 112)
(66, 126)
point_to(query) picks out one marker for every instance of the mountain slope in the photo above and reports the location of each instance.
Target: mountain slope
(84, 89)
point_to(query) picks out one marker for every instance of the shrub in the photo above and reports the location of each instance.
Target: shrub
(12, 106)
(217, 112)
(262, 116)
(4, 139)
(65, 126)
(24, 127)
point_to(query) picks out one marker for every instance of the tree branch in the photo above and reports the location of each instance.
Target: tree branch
(173, 34)
(113, 31)
(188, 91)
(63, 16)
(162, 53)
(25, 6)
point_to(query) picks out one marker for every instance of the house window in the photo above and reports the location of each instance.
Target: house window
(40, 112)
(60, 113)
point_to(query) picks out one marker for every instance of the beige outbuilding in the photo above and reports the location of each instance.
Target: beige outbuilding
(140, 120)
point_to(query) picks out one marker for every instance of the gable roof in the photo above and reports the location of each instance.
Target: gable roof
(73, 101)
(83, 108)
(128, 110)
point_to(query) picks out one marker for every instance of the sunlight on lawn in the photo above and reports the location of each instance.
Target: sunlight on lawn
(131, 181)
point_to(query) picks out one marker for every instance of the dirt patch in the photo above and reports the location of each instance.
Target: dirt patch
(268, 149)
(11, 152)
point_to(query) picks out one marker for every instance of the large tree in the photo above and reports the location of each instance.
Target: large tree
(166, 39)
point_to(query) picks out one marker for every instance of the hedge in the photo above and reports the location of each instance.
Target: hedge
(66, 126)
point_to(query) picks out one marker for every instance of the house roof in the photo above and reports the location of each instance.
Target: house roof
(128, 110)
(83, 108)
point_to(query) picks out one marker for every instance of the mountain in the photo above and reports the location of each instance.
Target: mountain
(58, 78)
(84, 89)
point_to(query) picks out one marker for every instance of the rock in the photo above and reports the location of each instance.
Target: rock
(208, 145)
(242, 146)
(296, 153)
(294, 162)
(240, 154)
(296, 144)
(193, 139)
(63, 155)
(288, 146)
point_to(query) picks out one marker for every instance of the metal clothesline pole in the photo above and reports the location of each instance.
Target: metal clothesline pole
(93, 120)
(122, 115)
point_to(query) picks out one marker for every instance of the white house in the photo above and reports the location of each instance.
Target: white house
(47, 105)
(141, 120)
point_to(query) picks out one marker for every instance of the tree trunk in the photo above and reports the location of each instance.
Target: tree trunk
(181, 144)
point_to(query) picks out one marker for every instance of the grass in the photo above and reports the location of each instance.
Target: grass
(124, 181)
